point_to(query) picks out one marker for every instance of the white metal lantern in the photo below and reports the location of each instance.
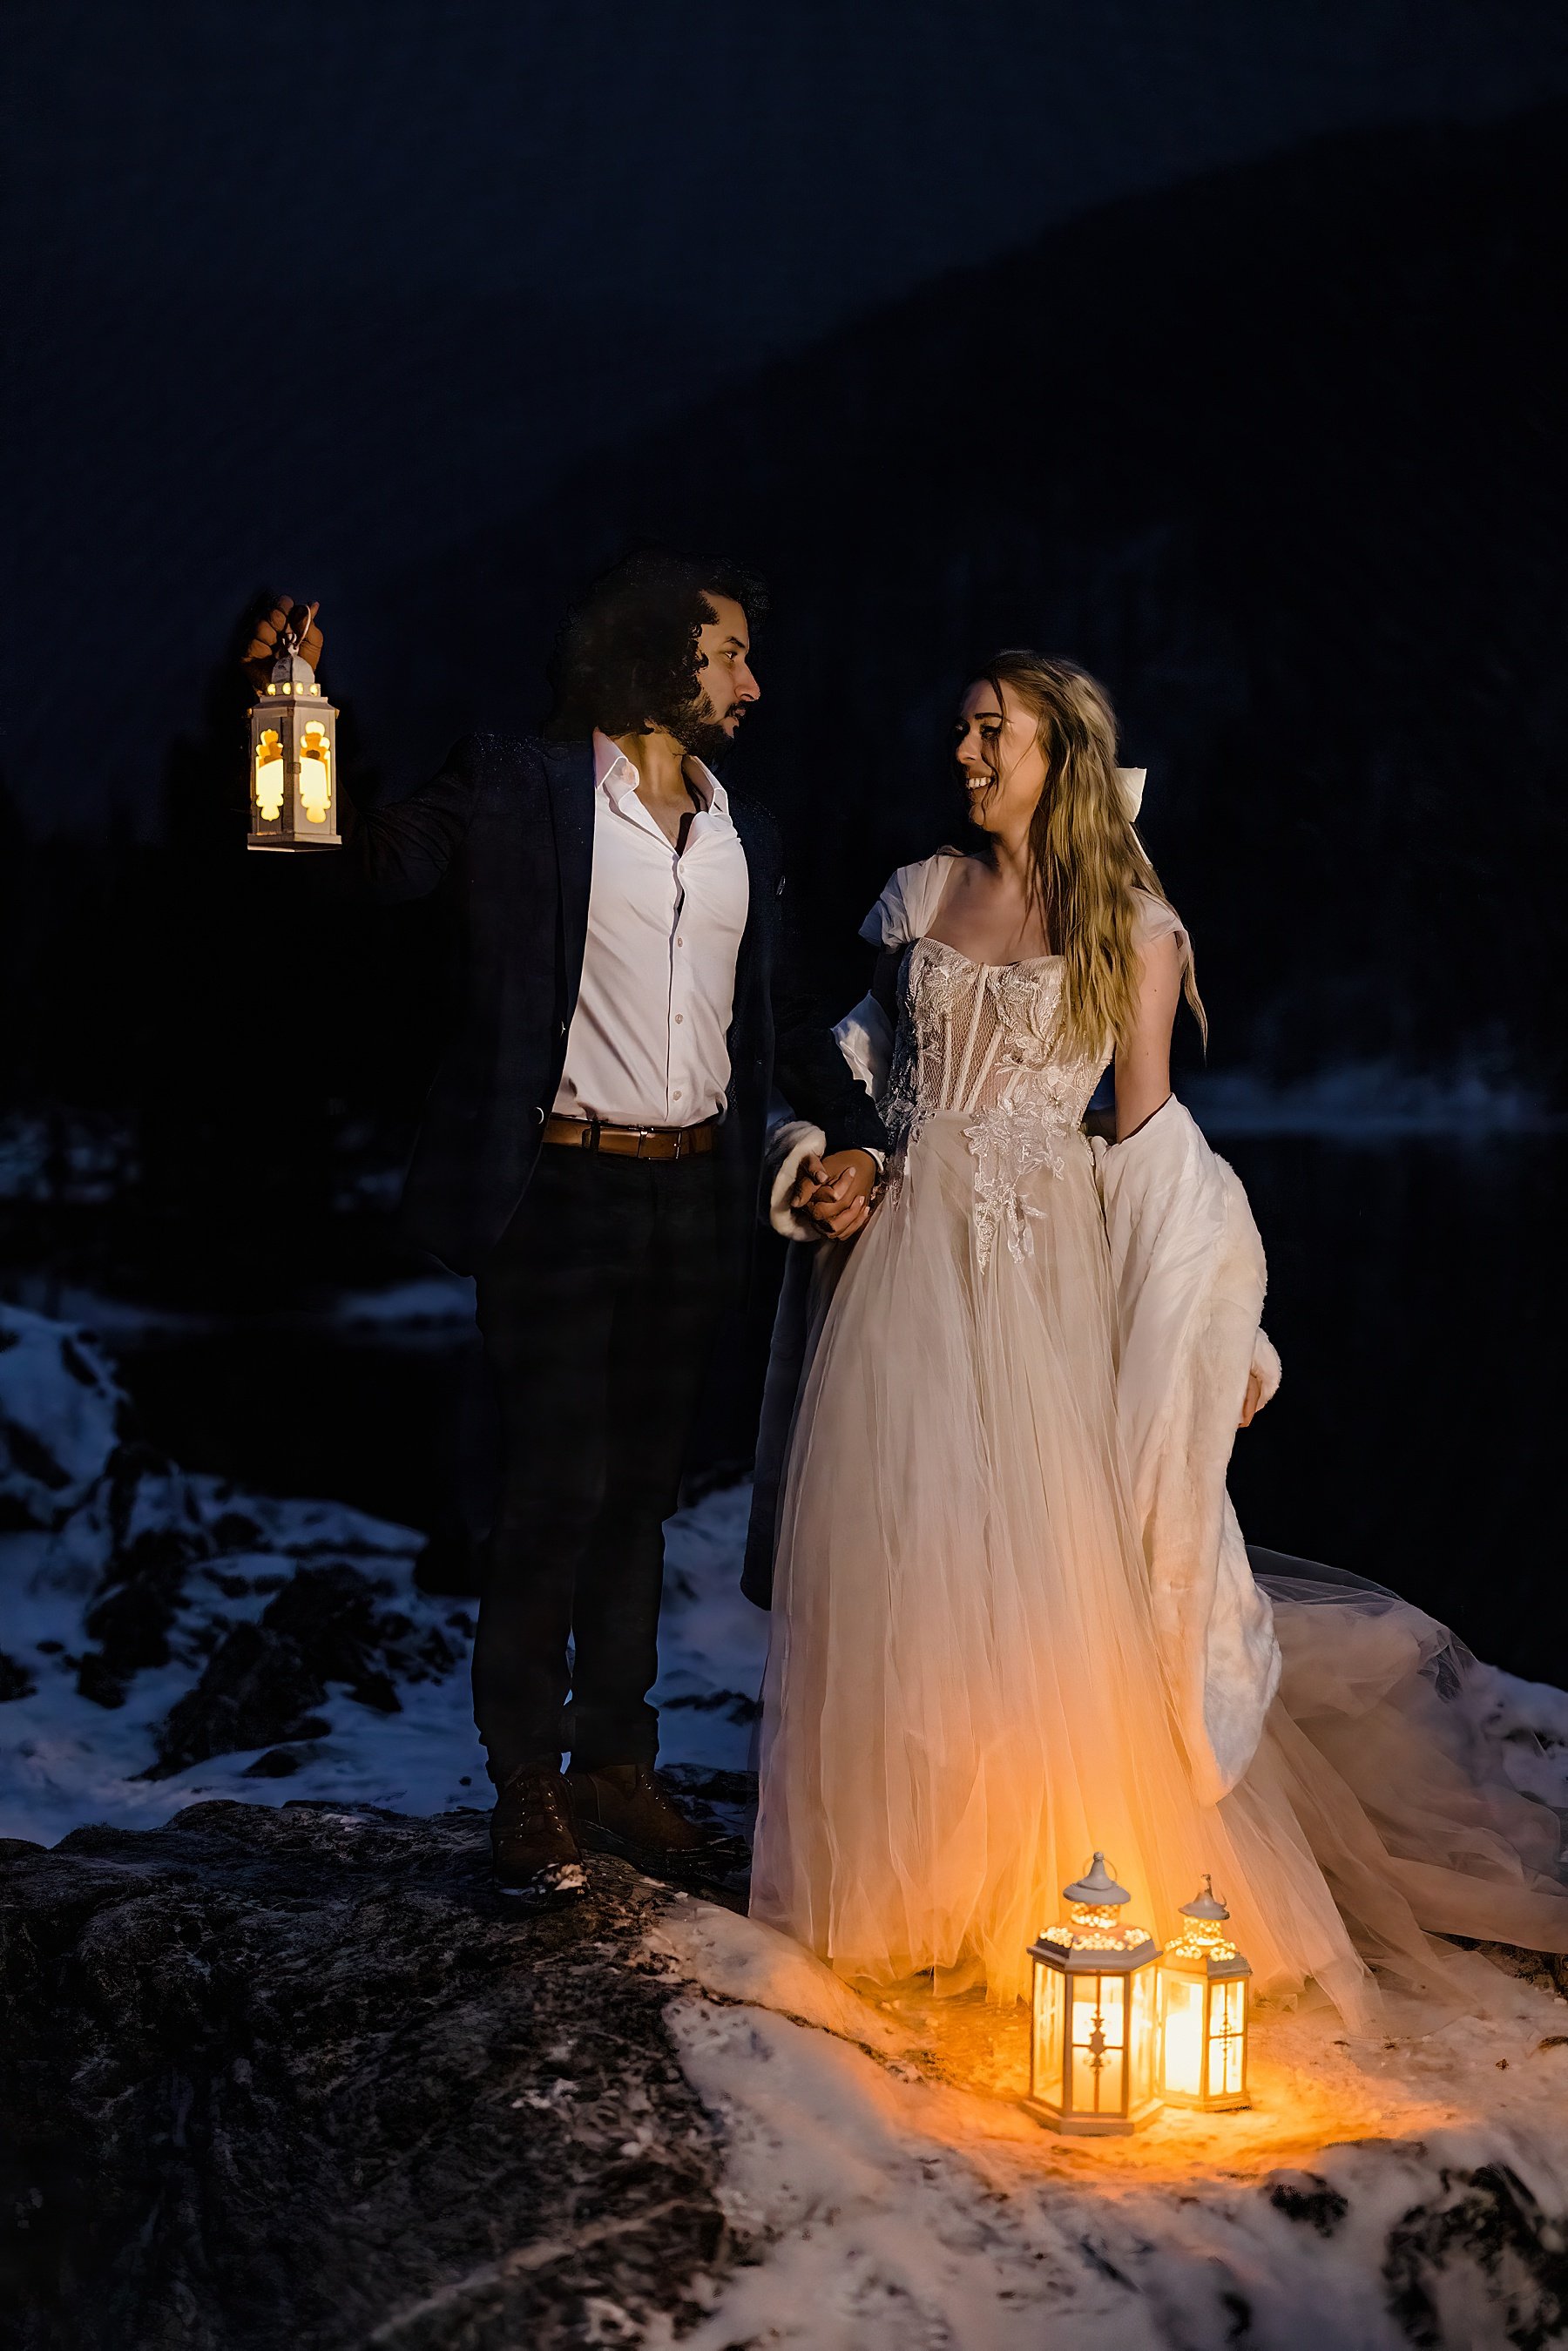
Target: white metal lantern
(293, 759)
(1203, 2012)
(1093, 2043)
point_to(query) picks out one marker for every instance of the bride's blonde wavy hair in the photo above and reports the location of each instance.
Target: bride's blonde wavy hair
(1085, 857)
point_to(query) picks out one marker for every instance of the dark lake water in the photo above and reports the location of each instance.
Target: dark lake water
(1414, 1296)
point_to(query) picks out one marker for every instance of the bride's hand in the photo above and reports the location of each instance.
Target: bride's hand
(1252, 1402)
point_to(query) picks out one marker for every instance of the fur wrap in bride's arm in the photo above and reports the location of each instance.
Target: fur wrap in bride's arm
(1190, 1278)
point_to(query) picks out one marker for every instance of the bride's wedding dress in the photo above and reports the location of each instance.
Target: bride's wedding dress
(1008, 1625)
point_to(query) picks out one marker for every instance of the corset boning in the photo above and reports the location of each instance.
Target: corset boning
(983, 1041)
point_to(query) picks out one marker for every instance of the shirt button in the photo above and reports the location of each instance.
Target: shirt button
(680, 942)
(679, 1018)
(676, 1095)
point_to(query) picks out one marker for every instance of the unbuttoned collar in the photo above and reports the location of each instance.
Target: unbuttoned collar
(617, 778)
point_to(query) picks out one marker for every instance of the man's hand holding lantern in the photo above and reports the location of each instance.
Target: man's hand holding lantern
(293, 735)
(298, 621)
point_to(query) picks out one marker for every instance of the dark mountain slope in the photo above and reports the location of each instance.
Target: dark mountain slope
(1279, 457)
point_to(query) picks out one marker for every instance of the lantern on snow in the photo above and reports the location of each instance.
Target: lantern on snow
(293, 758)
(1093, 2042)
(1203, 2001)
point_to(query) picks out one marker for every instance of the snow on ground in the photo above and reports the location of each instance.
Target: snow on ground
(81, 1512)
(886, 2182)
(892, 2190)
(427, 1308)
(122, 1579)
(438, 1304)
(89, 1528)
(66, 1759)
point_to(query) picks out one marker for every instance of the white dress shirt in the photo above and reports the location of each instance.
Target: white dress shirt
(647, 1042)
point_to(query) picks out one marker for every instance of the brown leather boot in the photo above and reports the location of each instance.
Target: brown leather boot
(621, 1808)
(533, 1844)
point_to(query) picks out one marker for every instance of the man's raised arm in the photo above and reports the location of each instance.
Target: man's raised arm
(400, 849)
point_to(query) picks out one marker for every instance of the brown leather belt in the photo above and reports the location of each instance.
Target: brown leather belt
(632, 1142)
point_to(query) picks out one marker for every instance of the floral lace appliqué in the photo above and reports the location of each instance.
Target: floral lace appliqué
(927, 992)
(985, 1041)
(1009, 1141)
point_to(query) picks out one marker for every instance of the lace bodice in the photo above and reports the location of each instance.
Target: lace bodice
(983, 1041)
(979, 1036)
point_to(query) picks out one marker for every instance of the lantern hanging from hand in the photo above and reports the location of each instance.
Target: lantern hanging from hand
(293, 758)
(1203, 2012)
(1093, 2047)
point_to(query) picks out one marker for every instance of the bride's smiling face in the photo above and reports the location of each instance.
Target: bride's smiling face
(999, 756)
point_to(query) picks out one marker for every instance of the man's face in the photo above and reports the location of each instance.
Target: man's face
(725, 687)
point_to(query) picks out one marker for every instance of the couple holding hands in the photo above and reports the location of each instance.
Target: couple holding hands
(1013, 1617)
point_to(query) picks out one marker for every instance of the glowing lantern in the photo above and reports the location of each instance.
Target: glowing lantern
(293, 758)
(1203, 1993)
(1092, 2048)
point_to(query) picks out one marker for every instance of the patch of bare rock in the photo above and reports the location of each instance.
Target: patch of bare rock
(294, 2080)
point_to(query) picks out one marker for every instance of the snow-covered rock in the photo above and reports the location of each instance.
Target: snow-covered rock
(60, 1418)
(402, 2116)
(888, 2188)
(167, 1637)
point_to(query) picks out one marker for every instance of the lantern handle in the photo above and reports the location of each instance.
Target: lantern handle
(294, 638)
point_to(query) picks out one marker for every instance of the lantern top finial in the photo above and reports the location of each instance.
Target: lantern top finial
(1095, 1937)
(1205, 1905)
(1096, 1886)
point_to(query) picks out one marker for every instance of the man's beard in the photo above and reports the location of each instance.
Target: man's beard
(698, 731)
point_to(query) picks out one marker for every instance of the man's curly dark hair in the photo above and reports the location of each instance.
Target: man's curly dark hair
(626, 658)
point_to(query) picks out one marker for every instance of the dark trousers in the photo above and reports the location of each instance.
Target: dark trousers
(598, 1306)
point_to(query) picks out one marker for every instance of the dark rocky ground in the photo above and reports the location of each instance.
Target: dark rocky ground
(287, 2080)
(298, 2080)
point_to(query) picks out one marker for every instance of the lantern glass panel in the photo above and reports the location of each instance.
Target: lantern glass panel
(315, 774)
(1099, 2046)
(270, 776)
(1226, 2038)
(1186, 2000)
(1049, 2016)
(1143, 2039)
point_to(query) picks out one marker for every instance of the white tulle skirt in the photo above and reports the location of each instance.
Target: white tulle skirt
(963, 1696)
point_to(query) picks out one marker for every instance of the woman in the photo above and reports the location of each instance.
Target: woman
(1013, 1618)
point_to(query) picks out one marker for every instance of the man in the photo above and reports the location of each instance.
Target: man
(591, 1151)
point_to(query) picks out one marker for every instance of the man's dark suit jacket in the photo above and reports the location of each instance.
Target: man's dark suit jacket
(508, 824)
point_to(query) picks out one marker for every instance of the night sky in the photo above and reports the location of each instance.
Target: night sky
(311, 296)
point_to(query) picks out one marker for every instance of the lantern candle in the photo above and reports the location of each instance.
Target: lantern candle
(1095, 2014)
(1203, 2003)
(293, 758)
